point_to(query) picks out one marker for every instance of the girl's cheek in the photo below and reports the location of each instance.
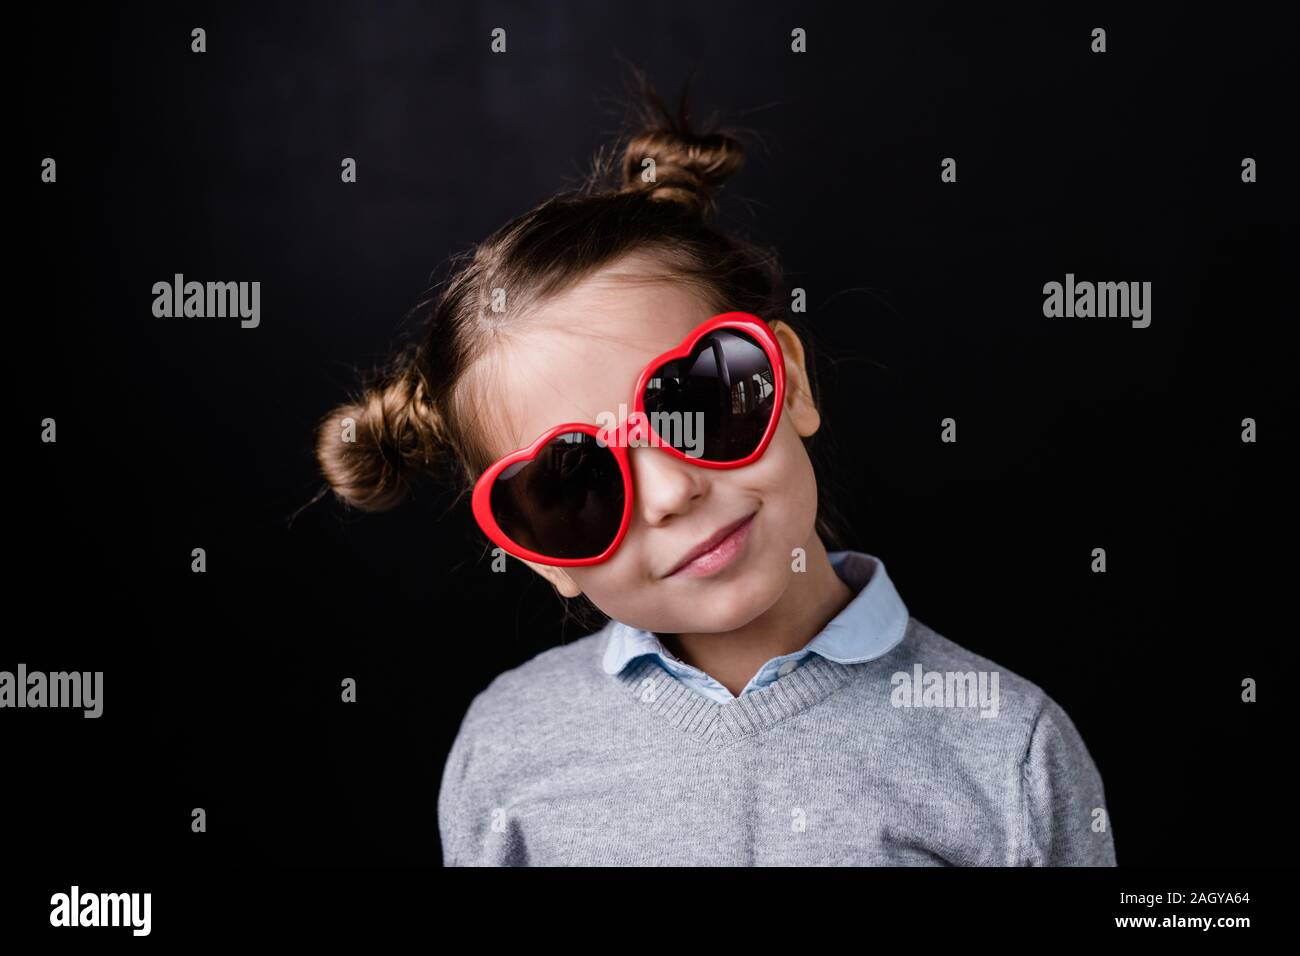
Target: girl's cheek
(618, 580)
(790, 491)
(785, 467)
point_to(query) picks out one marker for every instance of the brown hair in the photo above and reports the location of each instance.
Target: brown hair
(417, 415)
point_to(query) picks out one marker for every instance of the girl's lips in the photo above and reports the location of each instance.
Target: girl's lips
(719, 556)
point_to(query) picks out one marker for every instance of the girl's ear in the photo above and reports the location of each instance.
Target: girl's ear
(799, 404)
(557, 576)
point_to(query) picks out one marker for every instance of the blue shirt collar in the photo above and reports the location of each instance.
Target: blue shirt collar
(869, 626)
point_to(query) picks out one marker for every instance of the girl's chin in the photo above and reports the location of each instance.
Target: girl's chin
(721, 605)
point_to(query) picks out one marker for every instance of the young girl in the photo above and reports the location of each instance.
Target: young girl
(610, 372)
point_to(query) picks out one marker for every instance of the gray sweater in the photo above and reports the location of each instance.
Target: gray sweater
(899, 760)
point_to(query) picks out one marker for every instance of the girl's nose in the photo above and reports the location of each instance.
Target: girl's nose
(665, 485)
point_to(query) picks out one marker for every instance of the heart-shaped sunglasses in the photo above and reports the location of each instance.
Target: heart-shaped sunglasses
(713, 401)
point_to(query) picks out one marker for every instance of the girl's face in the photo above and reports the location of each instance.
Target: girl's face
(578, 357)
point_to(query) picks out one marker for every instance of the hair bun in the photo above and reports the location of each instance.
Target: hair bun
(369, 449)
(689, 165)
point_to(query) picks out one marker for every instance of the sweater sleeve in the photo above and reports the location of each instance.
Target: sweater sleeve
(473, 819)
(455, 826)
(1063, 803)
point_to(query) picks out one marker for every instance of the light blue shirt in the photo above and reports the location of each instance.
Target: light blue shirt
(870, 625)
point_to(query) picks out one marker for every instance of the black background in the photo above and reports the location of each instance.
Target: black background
(222, 689)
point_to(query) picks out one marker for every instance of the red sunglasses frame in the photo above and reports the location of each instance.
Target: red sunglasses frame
(481, 501)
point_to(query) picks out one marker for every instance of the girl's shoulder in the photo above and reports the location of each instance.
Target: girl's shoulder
(928, 669)
(546, 685)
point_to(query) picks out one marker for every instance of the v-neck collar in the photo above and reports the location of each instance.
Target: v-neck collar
(719, 724)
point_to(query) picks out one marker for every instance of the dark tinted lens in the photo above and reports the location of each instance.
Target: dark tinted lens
(716, 402)
(567, 502)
